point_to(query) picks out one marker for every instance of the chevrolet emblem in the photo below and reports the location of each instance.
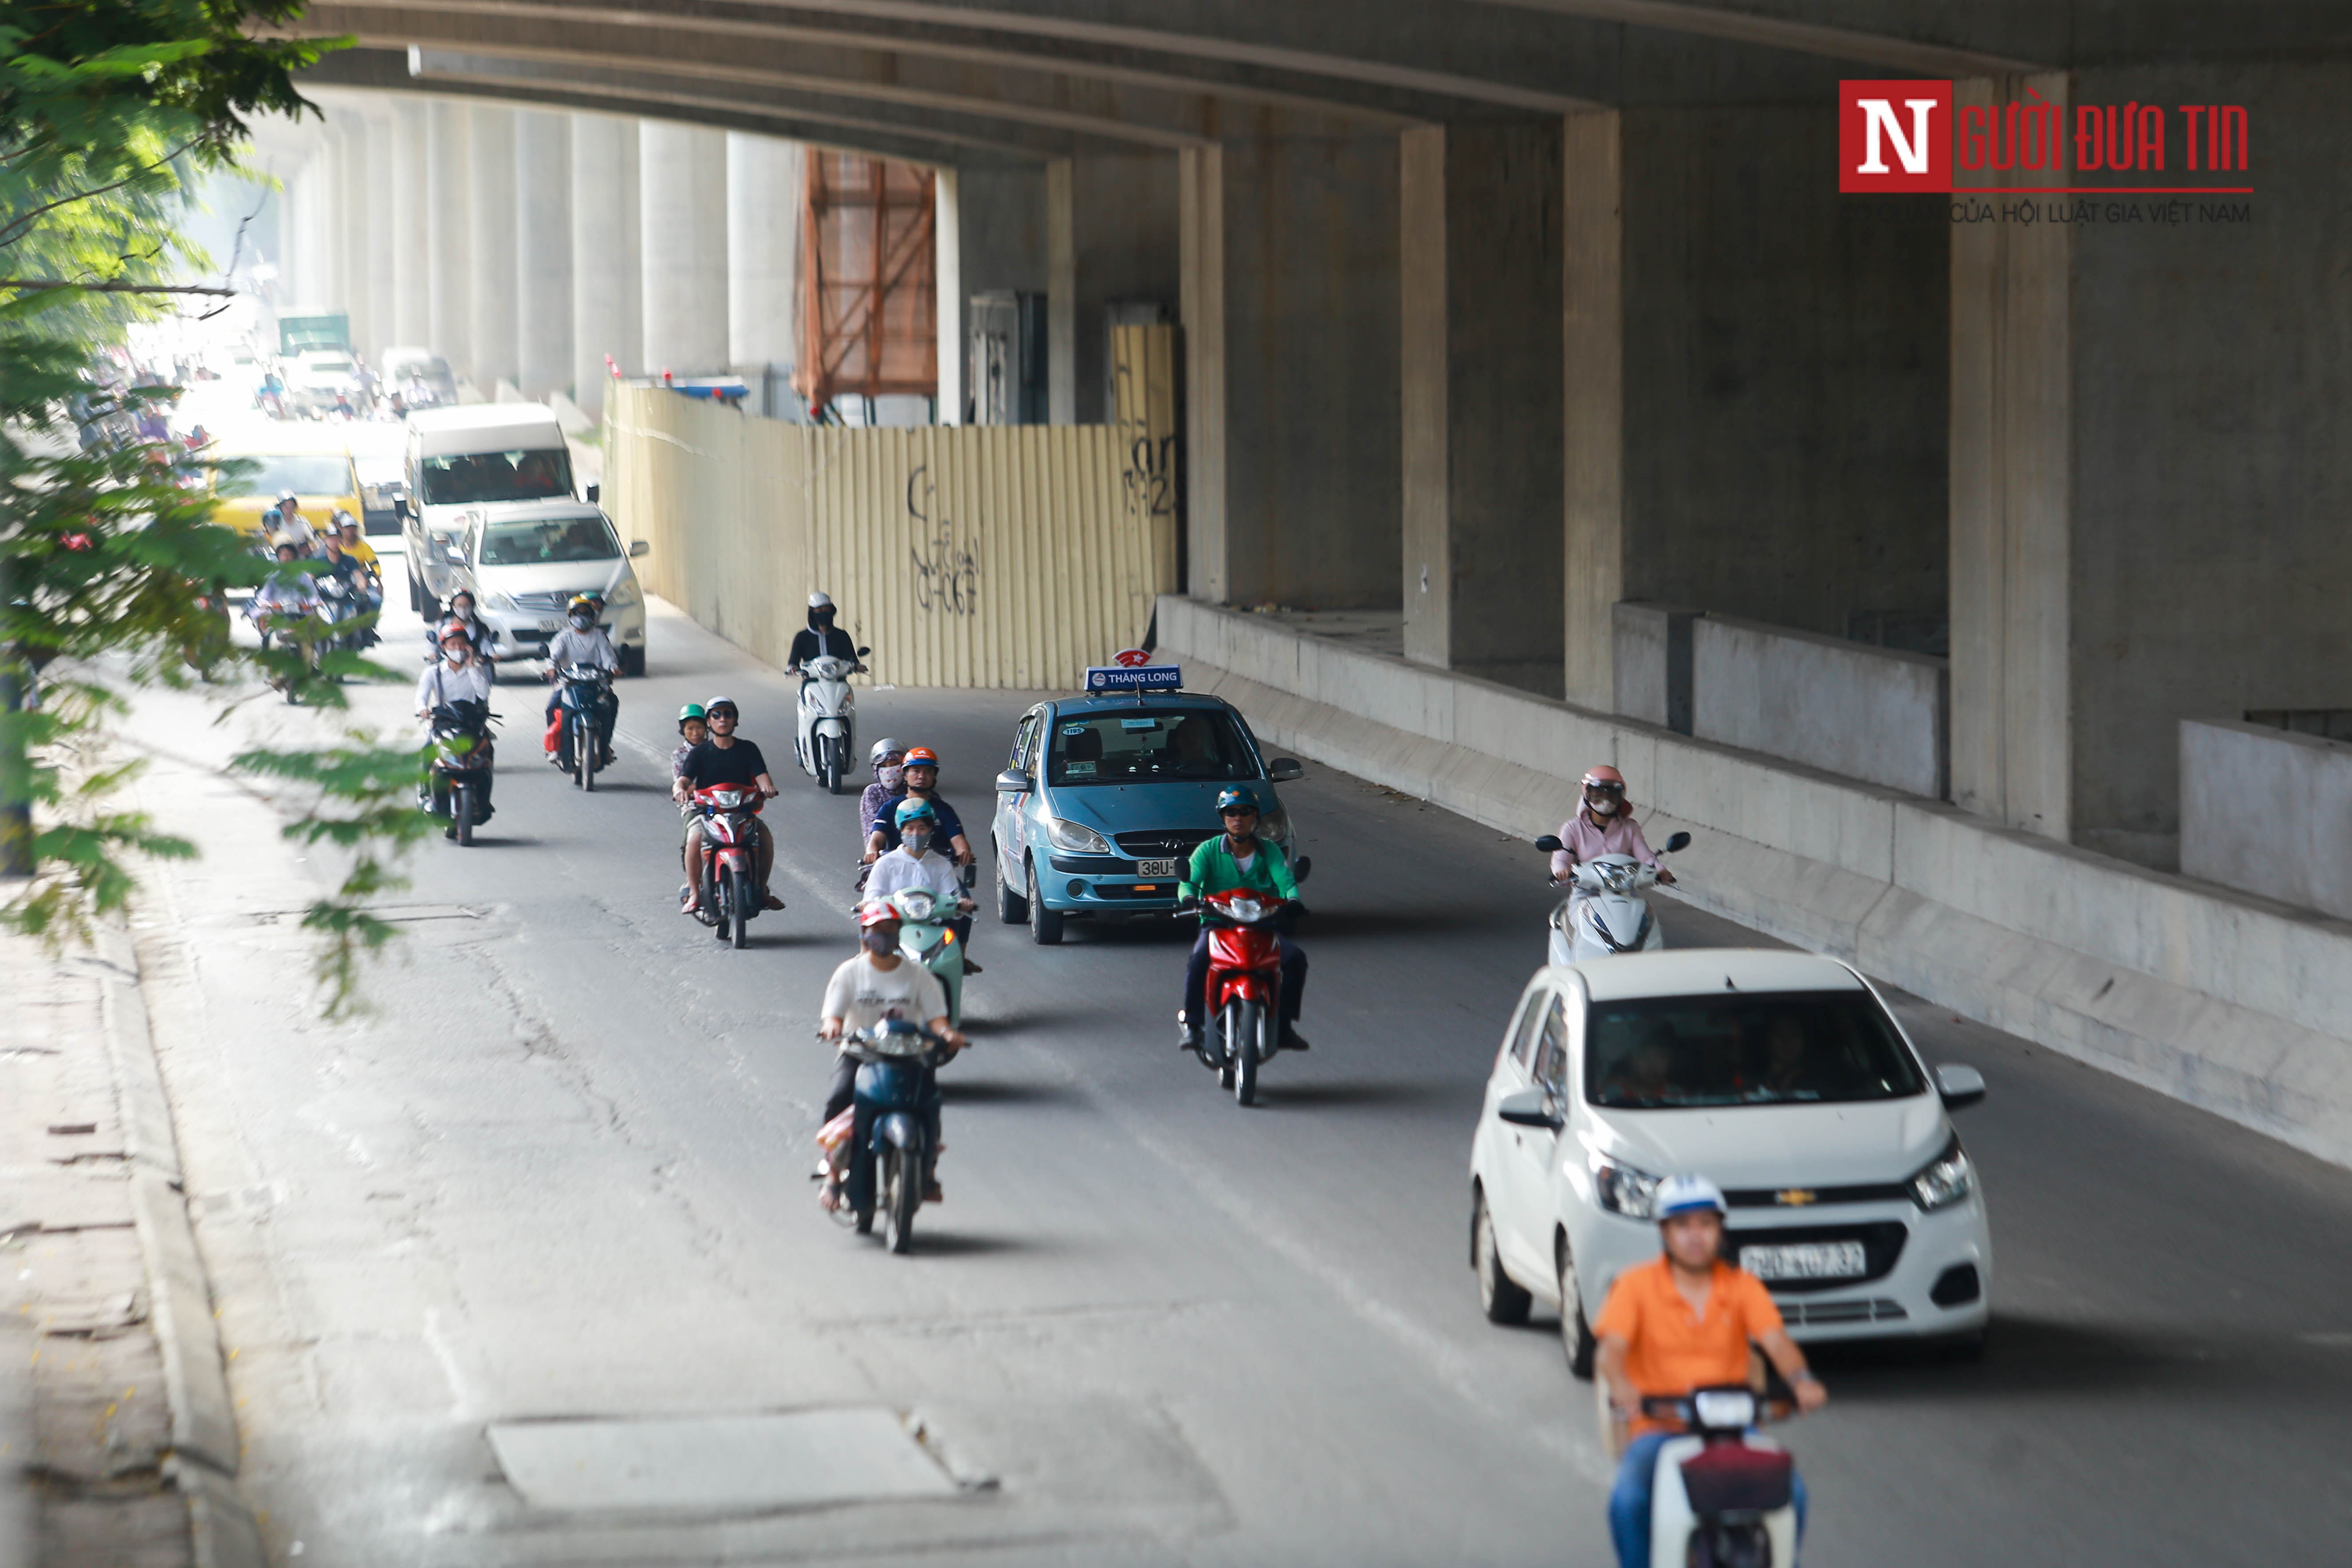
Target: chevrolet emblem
(1795, 1198)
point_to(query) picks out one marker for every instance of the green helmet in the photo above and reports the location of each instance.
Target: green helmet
(1235, 800)
(691, 710)
(913, 811)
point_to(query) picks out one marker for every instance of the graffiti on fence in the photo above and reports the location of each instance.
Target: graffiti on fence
(947, 568)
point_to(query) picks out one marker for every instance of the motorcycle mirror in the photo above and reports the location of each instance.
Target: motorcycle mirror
(1283, 770)
(1306, 865)
(1528, 1108)
(863, 651)
(1549, 844)
(1679, 841)
(1958, 1086)
(1011, 781)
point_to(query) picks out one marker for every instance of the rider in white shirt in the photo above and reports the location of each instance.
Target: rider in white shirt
(584, 642)
(289, 592)
(913, 865)
(460, 676)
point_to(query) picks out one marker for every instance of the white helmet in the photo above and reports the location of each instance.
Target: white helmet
(883, 748)
(820, 600)
(1687, 1194)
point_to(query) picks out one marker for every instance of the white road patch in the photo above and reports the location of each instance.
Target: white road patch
(799, 1458)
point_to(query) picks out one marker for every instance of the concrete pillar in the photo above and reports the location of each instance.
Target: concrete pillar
(352, 209)
(495, 345)
(1061, 297)
(1123, 211)
(447, 234)
(382, 228)
(1290, 292)
(1592, 408)
(682, 193)
(765, 177)
(1479, 267)
(542, 259)
(409, 237)
(2012, 492)
(605, 293)
(947, 273)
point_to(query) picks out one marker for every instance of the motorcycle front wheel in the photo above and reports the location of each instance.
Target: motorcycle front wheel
(902, 1194)
(828, 762)
(1249, 1027)
(461, 809)
(739, 899)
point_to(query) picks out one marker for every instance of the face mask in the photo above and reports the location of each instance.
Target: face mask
(878, 942)
(916, 839)
(580, 623)
(893, 778)
(1604, 807)
(457, 656)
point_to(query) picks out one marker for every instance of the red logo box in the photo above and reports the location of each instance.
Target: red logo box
(1895, 136)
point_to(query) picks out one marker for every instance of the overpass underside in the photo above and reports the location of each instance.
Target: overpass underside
(1498, 316)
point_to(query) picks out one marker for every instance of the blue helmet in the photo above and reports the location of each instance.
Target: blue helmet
(913, 811)
(1232, 799)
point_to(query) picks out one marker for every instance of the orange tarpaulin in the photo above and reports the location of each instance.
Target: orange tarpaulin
(869, 305)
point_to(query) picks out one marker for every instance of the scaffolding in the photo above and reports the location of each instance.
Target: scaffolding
(869, 300)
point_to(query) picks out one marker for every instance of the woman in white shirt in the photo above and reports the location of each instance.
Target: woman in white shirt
(912, 865)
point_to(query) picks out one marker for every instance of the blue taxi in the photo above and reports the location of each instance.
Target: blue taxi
(1104, 798)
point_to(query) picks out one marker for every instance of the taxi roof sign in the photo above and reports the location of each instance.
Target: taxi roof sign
(1105, 680)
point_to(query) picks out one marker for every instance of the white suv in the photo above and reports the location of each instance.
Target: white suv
(1780, 1077)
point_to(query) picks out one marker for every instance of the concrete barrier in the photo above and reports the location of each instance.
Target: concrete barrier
(2268, 812)
(1852, 708)
(2227, 1002)
(1652, 644)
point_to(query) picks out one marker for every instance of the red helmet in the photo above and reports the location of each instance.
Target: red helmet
(875, 912)
(1606, 777)
(922, 757)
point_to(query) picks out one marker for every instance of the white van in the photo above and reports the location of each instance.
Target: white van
(462, 459)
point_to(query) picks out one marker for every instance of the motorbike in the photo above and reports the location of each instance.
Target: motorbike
(1244, 987)
(458, 782)
(341, 602)
(1721, 1498)
(828, 719)
(730, 894)
(1605, 914)
(887, 1155)
(580, 698)
(925, 936)
(286, 628)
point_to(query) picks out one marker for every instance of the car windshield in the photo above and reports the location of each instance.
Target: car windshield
(313, 474)
(465, 479)
(1771, 1048)
(1127, 745)
(329, 366)
(554, 540)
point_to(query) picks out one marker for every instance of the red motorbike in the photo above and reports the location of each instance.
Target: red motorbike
(730, 894)
(1244, 989)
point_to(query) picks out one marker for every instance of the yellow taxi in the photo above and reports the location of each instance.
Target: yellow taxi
(313, 461)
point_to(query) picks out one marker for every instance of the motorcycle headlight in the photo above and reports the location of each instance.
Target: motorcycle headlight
(1622, 1189)
(1948, 1179)
(1074, 837)
(916, 905)
(623, 597)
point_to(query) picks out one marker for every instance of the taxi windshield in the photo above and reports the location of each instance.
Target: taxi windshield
(1771, 1048)
(1132, 745)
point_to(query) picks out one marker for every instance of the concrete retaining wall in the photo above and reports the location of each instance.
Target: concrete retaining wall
(2227, 1002)
(1876, 714)
(2268, 812)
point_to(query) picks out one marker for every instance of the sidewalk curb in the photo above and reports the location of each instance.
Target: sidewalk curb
(203, 1459)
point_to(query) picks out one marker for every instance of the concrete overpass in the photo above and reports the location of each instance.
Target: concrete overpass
(1499, 315)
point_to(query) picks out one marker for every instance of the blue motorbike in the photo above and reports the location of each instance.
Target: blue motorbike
(581, 696)
(894, 1137)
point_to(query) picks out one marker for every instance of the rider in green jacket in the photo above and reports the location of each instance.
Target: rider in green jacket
(1238, 858)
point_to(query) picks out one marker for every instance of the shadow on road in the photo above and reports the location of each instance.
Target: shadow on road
(2025, 1355)
(999, 1091)
(1304, 1096)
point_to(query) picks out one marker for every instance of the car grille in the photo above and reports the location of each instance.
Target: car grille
(1880, 1309)
(1882, 1248)
(1794, 1197)
(1159, 844)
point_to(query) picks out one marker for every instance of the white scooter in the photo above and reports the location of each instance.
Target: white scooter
(1606, 914)
(828, 718)
(1720, 1496)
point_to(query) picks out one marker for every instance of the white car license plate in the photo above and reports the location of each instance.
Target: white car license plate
(1805, 1260)
(1155, 868)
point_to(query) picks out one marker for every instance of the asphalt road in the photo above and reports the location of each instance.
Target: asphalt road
(560, 1172)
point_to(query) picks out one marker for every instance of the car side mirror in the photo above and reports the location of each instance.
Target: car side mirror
(638, 547)
(596, 492)
(1549, 844)
(1011, 781)
(1958, 1086)
(1283, 770)
(1529, 1108)
(400, 506)
(1679, 841)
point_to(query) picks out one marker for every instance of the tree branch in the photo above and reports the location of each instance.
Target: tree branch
(37, 284)
(21, 225)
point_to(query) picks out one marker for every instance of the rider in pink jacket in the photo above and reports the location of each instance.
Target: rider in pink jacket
(1605, 827)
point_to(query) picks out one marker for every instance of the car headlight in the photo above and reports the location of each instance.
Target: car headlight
(1275, 825)
(1076, 838)
(623, 597)
(1948, 1179)
(498, 601)
(1622, 1188)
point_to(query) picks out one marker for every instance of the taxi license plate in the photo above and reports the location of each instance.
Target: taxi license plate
(1806, 1260)
(1155, 868)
